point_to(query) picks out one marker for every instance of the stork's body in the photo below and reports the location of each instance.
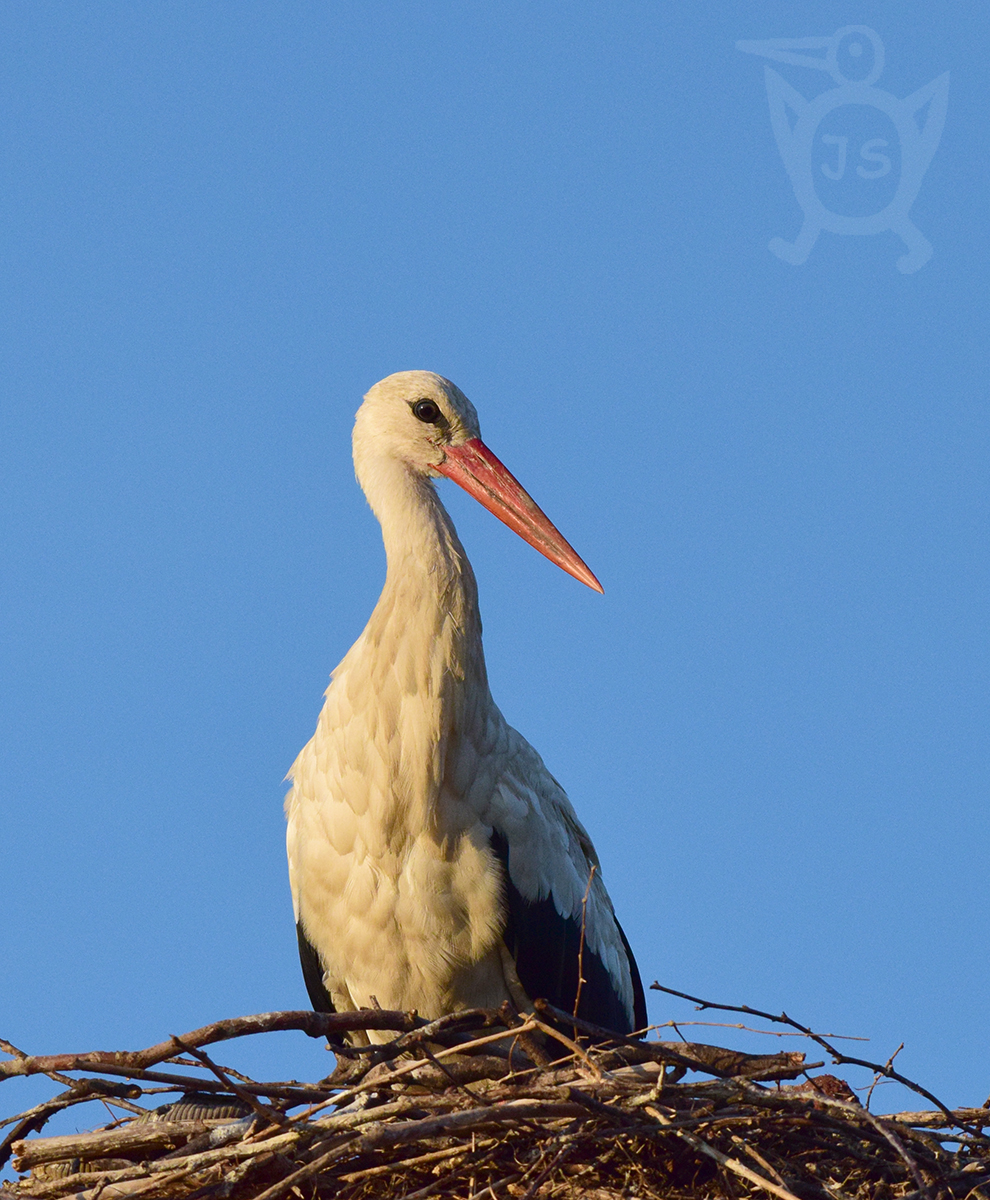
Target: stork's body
(435, 863)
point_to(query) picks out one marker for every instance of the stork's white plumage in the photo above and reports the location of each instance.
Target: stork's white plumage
(435, 862)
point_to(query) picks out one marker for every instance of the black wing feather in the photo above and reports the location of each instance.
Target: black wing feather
(312, 970)
(640, 1019)
(546, 948)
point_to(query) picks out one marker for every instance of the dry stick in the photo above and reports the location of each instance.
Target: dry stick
(418, 1160)
(936, 1120)
(20, 1057)
(512, 1020)
(563, 1153)
(598, 1032)
(584, 921)
(388, 1136)
(81, 1092)
(857, 1110)
(452, 1079)
(878, 1077)
(236, 1131)
(723, 1160)
(226, 1185)
(317, 1132)
(468, 1018)
(262, 1110)
(445, 1180)
(312, 1023)
(84, 1091)
(777, 1033)
(133, 1187)
(499, 1183)
(407, 1068)
(431, 1189)
(46, 1109)
(839, 1058)
(466, 1119)
(136, 1136)
(574, 1048)
(693, 1056)
(609, 1112)
(229, 1071)
(136, 1063)
(165, 1167)
(290, 1181)
(394, 1135)
(91, 1184)
(101, 1088)
(190, 1083)
(755, 1154)
(974, 1185)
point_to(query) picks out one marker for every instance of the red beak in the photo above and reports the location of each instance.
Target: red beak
(479, 472)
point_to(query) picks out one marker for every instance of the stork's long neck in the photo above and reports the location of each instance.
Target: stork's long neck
(418, 670)
(429, 586)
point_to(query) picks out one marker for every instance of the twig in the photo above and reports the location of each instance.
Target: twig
(434, 1156)
(777, 1033)
(311, 1023)
(349, 1094)
(757, 1157)
(563, 1153)
(530, 1046)
(432, 1031)
(584, 921)
(191, 1083)
(80, 1092)
(693, 1056)
(571, 1045)
(454, 1081)
(262, 1110)
(446, 1180)
(597, 1102)
(493, 1188)
(961, 1117)
(290, 1181)
(877, 1077)
(730, 1164)
(138, 1136)
(857, 1111)
(838, 1057)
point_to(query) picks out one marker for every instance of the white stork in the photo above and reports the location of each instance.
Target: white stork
(435, 862)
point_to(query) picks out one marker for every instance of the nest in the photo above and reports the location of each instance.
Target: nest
(485, 1104)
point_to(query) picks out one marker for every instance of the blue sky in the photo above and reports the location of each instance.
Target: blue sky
(222, 223)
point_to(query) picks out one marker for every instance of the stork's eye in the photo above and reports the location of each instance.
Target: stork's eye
(428, 412)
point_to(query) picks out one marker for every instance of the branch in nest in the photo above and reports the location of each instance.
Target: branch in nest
(606, 1115)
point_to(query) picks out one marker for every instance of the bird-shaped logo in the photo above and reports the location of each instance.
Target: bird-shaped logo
(856, 155)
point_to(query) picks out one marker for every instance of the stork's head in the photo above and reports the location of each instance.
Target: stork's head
(413, 416)
(423, 424)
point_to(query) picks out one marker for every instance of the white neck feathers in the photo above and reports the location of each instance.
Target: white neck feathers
(415, 680)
